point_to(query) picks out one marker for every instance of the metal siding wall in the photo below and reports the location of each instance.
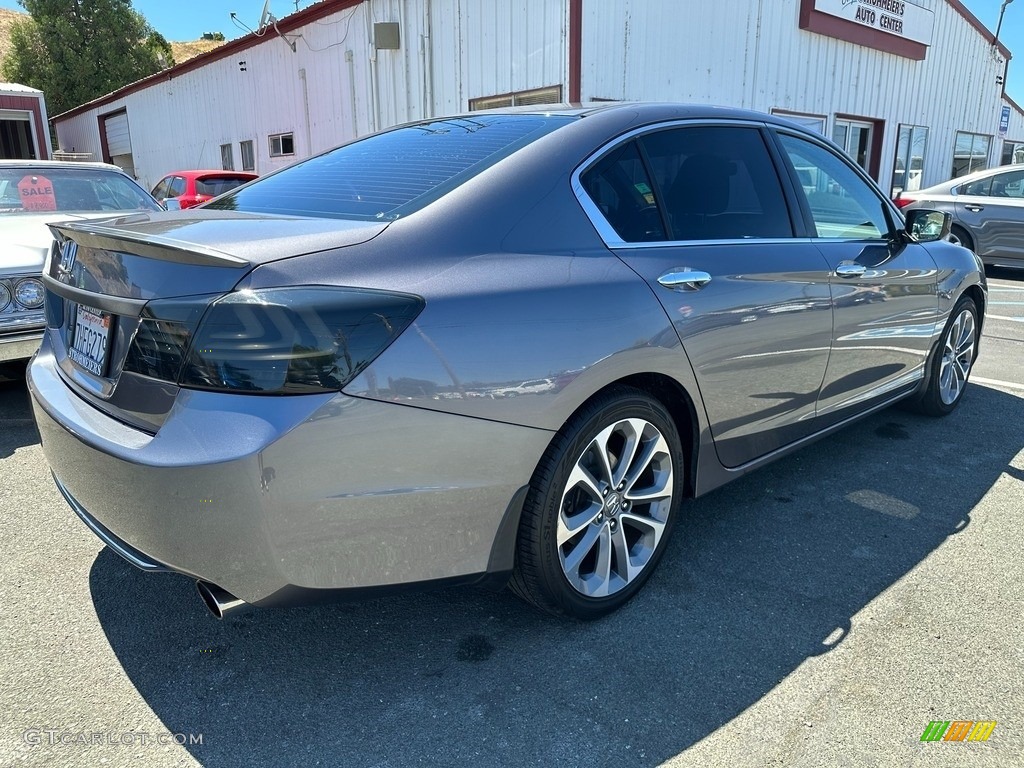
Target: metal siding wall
(751, 53)
(180, 123)
(494, 47)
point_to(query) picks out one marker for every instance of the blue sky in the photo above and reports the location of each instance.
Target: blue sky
(189, 19)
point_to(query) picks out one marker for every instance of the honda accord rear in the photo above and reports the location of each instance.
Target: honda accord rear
(304, 388)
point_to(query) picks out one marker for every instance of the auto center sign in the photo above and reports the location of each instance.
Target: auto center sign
(895, 17)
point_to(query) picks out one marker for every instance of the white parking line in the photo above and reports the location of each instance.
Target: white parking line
(1004, 317)
(997, 383)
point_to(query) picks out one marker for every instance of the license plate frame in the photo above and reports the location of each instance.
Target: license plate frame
(89, 347)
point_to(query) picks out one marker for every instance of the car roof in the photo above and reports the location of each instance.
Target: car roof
(645, 111)
(59, 164)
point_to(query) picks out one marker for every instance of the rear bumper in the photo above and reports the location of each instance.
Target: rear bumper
(280, 499)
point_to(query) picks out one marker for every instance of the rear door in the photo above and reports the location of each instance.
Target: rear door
(993, 209)
(699, 211)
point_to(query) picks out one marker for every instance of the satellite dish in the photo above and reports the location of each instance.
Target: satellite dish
(265, 17)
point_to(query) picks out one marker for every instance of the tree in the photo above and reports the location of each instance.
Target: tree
(77, 50)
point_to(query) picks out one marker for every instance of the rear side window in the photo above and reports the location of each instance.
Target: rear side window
(621, 189)
(979, 187)
(718, 183)
(217, 185)
(391, 174)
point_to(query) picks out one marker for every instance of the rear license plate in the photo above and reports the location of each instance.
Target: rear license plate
(91, 340)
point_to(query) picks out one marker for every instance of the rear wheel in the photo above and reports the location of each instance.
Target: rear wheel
(601, 505)
(951, 361)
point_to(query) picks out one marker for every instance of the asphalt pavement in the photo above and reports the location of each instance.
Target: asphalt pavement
(819, 612)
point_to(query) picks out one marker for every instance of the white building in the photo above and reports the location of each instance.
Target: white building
(913, 89)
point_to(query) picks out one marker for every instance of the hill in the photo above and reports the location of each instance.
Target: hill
(182, 51)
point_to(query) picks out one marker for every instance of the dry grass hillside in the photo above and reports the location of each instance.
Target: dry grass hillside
(182, 51)
(7, 18)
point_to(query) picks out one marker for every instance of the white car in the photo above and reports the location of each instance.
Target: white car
(34, 194)
(532, 387)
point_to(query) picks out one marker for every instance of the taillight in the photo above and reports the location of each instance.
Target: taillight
(163, 336)
(902, 202)
(292, 340)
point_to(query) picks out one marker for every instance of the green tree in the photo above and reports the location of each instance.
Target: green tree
(77, 50)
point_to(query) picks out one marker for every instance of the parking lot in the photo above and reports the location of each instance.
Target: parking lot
(820, 612)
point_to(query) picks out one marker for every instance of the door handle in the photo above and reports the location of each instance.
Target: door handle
(851, 270)
(974, 208)
(685, 280)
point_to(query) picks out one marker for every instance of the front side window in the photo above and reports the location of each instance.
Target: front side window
(842, 204)
(391, 174)
(161, 190)
(177, 187)
(970, 153)
(854, 136)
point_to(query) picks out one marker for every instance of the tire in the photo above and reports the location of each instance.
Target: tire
(951, 362)
(963, 236)
(591, 532)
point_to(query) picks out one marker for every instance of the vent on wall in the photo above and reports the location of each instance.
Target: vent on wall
(386, 36)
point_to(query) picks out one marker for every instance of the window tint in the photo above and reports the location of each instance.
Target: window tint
(619, 186)
(979, 187)
(217, 185)
(391, 174)
(842, 204)
(718, 183)
(1008, 185)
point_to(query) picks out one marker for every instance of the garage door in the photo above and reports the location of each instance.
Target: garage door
(119, 142)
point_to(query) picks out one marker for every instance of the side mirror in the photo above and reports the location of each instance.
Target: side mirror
(170, 204)
(927, 226)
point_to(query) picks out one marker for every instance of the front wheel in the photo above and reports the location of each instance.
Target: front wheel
(951, 361)
(601, 505)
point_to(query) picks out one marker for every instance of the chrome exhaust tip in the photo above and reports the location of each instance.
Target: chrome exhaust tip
(220, 601)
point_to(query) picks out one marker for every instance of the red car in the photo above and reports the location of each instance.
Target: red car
(191, 188)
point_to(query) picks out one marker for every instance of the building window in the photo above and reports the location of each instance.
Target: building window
(549, 95)
(815, 123)
(854, 136)
(908, 166)
(1013, 153)
(227, 157)
(970, 153)
(248, 155)
(281, 144)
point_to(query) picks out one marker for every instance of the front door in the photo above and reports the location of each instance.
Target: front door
(884, 298)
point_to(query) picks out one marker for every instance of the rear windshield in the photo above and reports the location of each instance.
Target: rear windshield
(70, 189)
(391, 174)
(217, 185)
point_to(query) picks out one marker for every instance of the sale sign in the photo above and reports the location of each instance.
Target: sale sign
(37, 194)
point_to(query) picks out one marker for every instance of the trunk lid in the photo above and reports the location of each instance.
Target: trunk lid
(124, 294)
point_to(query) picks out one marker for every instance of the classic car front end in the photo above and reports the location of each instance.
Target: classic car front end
(21, 303)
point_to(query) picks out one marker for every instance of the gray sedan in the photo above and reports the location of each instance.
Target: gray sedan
(987, 209)
(301, 389)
